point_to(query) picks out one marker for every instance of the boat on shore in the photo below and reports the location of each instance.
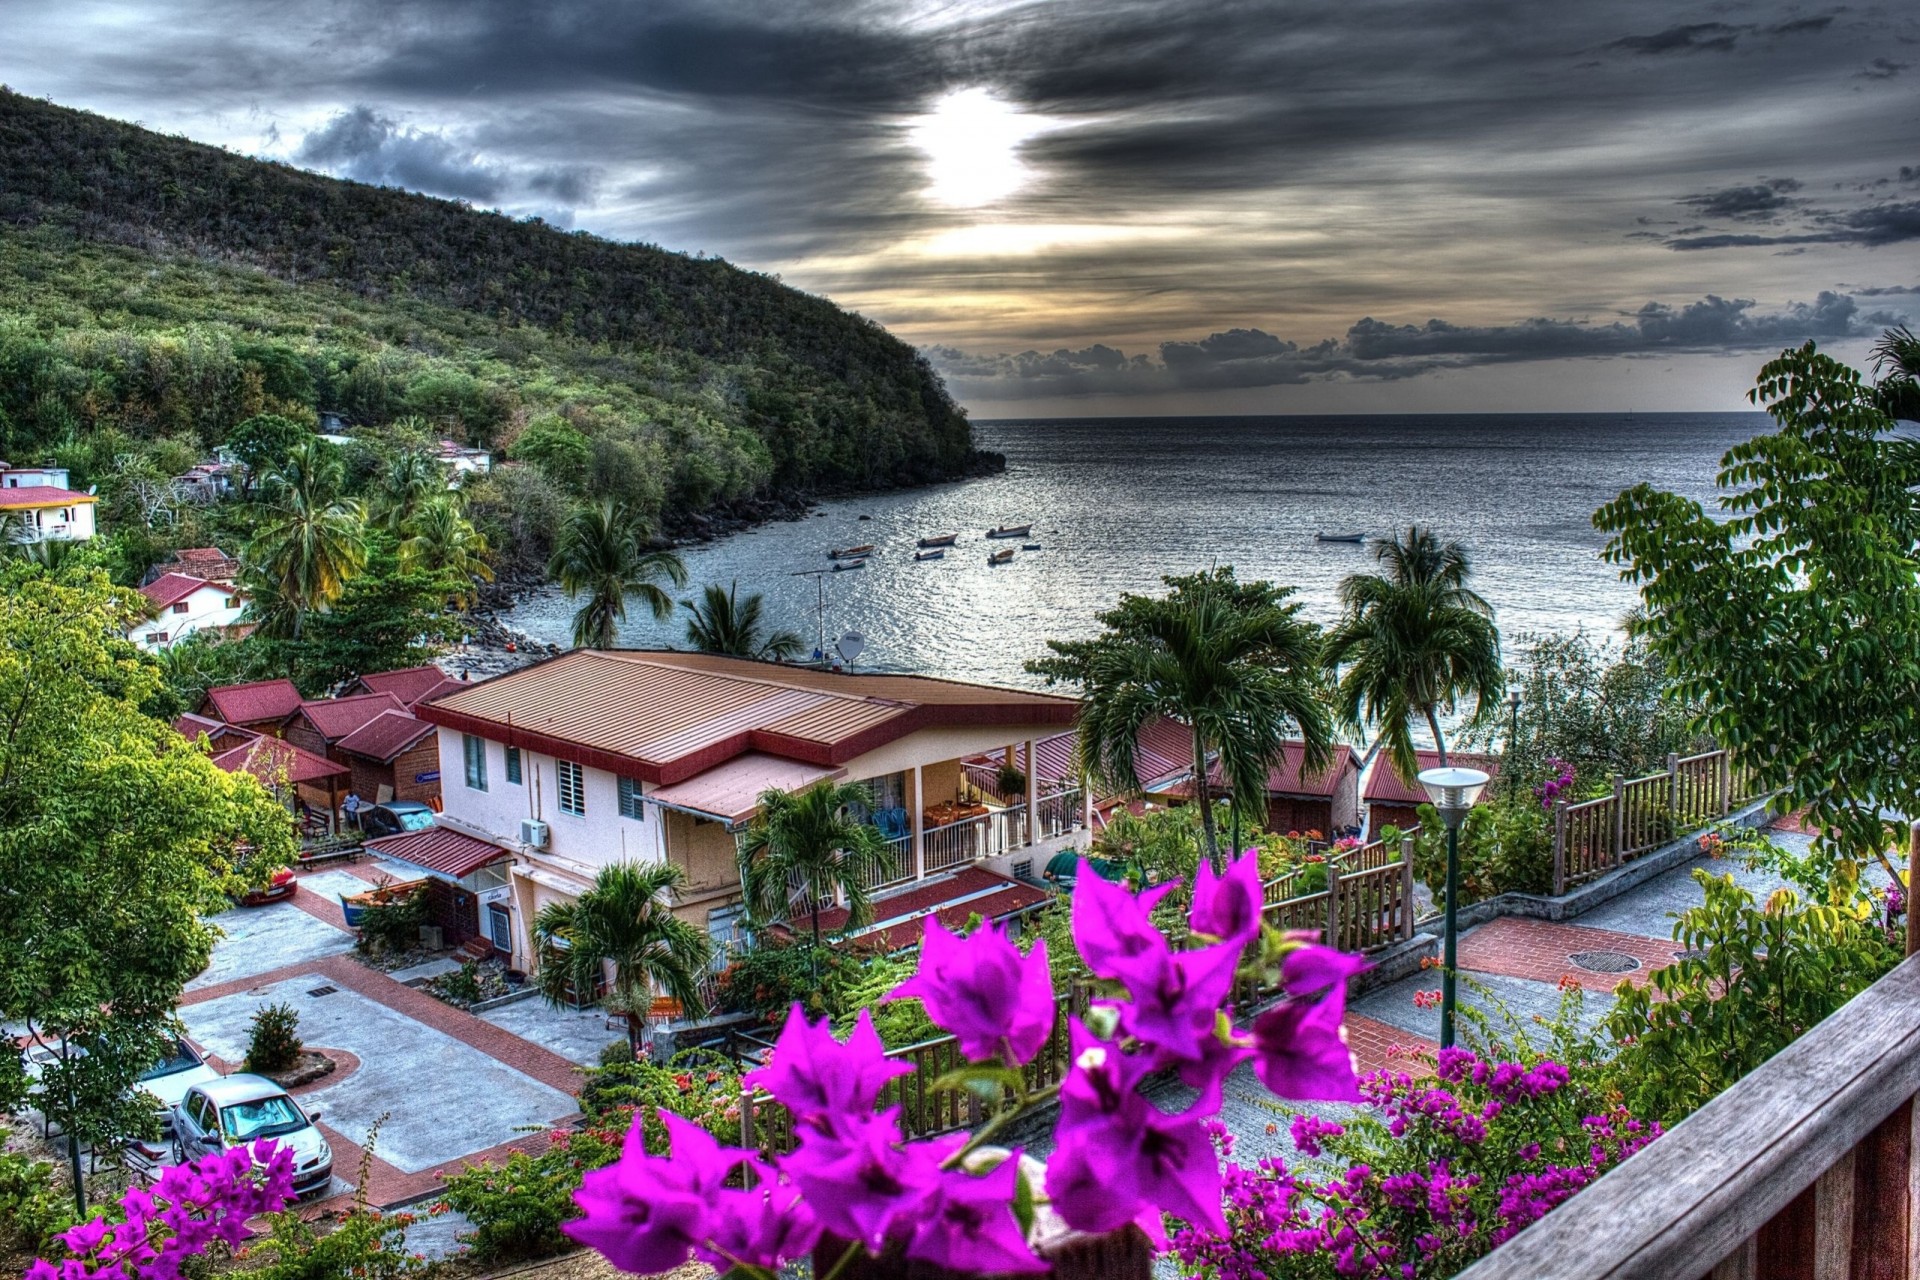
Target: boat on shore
(935, 554)
(841, 566)
(939, 540)
(1355, 538)
(851, 553)
(1010, 531)
(1000, 557)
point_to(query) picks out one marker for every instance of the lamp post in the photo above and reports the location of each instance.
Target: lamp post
(1513, 720)
(1452, 792)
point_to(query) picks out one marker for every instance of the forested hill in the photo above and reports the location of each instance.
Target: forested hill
(396, 298)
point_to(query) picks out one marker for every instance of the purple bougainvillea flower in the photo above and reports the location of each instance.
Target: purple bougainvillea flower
(969, 1225)
(1117, 1156)
(996, 1002)
(861, 1180)
(1207, 1074)
(1176, 997)
(767, 1225)
(1313, 969)
(1228, 907)
(647, 1213)
(1299, 1052)
(821, 1080)
(1113, 928)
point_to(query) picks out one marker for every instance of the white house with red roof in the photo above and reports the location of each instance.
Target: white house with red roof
(184, 605)
(37, 506)
(597, 756)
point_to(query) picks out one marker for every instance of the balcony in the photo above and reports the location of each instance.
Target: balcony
(978, 829)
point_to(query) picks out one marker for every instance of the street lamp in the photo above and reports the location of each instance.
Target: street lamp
(1452, 792)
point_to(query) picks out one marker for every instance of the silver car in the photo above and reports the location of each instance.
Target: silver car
(241, 1109)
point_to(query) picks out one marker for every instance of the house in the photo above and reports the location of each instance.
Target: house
(264, 706)
(409, 684)
(44, 512)
(394, 756)
(463, 460)
(1328, 802)
(1395, 801)
(185, 605)
(205, 482)
(44, 476)
(297, 777)
(210, 563)
(595, 756)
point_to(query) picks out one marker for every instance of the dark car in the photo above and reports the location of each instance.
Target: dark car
(395, 817)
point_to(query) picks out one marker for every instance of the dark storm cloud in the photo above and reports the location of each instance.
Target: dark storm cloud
(1873, 226)
(1751, 203)
(1377, 350)
(1717, 37)
(366, 146)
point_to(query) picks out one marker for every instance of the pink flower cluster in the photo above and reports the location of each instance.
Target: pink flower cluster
(190, 1207)
(1556, 785)
(1117, 1159)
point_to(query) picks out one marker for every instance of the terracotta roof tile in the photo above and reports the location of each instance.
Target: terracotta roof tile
(385, 736)
(1286, 777)
(254, 703)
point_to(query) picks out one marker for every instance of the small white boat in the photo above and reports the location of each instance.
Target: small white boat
(934, 554)
(1340, 537)
(940, 540)
(841, 566)
(1000, 557)
(851, 553)
(1010, 531)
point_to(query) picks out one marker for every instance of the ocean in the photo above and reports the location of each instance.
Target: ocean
(1116, 503)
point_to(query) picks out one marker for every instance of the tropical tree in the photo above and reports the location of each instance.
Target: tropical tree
(802, 849)
(406, 485)
(1414, 641)
(313, 541)
(1896, 362)
(600, 555)
(263, 443)
(1232, 661)
(720, 622)
(625, 920)
(441, 540)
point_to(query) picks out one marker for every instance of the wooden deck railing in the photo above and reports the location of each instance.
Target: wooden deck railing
(1593, 837)
(1806, 1168)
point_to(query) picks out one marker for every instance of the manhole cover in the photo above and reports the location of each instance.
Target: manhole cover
(1605, 961)
(323, 991)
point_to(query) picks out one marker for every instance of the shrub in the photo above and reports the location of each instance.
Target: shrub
(361, 1244)
(274, 1044)
(616, 1053)
(516, 1208)
(31, 1208)
(462, 985)
(696, 1084)
(1506, 846)
(393, 926)
(769, 978)
(1010, 781)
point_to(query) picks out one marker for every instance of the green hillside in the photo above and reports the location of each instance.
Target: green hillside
(155, 292)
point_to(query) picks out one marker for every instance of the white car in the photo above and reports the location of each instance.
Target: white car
(169, 1080)
(240, 1109)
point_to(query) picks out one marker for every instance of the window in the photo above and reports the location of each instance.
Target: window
(513, 765)
(631, 806)
(158, 637)
(573, 788)
(182, 607)
(476, 753)
(232, 602)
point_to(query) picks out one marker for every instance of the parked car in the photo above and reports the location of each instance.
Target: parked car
(280, 886)
(169, 1079)
(240, 1109)
(394, 817)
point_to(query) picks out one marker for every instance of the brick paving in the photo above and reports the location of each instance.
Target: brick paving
(1377, 1046)
(1541, 950)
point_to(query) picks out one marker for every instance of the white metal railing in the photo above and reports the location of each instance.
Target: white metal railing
(895, 866)
(955, 844)
(1007, 830)
(1060, 813)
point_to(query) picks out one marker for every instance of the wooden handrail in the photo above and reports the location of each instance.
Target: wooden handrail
(1696, 1201)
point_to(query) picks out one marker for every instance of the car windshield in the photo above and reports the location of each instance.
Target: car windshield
(415, 819)
(182, 1058)
(265, 1118)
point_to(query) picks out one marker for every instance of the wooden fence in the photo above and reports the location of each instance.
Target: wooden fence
(1808, 1168)
(1593, 837)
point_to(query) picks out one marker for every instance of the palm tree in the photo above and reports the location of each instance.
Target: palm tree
(625, 920)
(313, 541)
(599, 555)
(1232, 661)
(1414, 639)
(1896, 364)
(802, 848)
(407, 484)
(723, 624)
(443, 541)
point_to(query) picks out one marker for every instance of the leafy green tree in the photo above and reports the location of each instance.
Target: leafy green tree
(263, 443)
(1896, 361)
(720, 622)
(802, 849)
(115, 836)
(626, 920)
(406, 484)
(385, 617)
(313, 543)
(1232, 661)
(600, 555)
(442, 541)
(1413, 640)
(557, 447)
(1790, 615)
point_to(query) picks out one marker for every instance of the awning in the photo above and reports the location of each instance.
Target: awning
(730, 792)
(443, 851)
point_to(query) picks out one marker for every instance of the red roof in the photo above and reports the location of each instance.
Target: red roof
(1386, 786)
(256, 703)
(335, 718)
(170, 588)
(274, 760)
(29, 496)
(385, 736)
(409, 684)
(447, 685)
(191, 726)
(973, 891)
(1285, 778)
(1164, 748)
(439, 849)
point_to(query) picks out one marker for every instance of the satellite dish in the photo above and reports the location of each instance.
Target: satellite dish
(850, 646)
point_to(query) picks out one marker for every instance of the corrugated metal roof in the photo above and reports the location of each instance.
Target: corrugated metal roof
(1286, 777)
(335, 718)
(1386, 786)
(409, 684)
(439, 849)
(385, 736)
(255, 703)
(731, 792)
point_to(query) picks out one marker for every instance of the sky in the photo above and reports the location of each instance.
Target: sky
(1099, 207)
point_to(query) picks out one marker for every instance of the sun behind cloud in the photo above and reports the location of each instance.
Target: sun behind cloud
(972, 139)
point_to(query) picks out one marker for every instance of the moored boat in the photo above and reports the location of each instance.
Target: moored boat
(1000, 557)
(851, 553)
(1010, 531)
(1339, 537)
(841, 566)
(1029, 546)
(934, 554)
(940, 540)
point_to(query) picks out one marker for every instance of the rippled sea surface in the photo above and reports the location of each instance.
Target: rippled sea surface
(1116, 503)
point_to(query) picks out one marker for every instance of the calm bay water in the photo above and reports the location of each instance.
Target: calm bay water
(1116, 503)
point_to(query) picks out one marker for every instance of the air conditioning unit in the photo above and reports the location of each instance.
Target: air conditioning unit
(533, 833)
